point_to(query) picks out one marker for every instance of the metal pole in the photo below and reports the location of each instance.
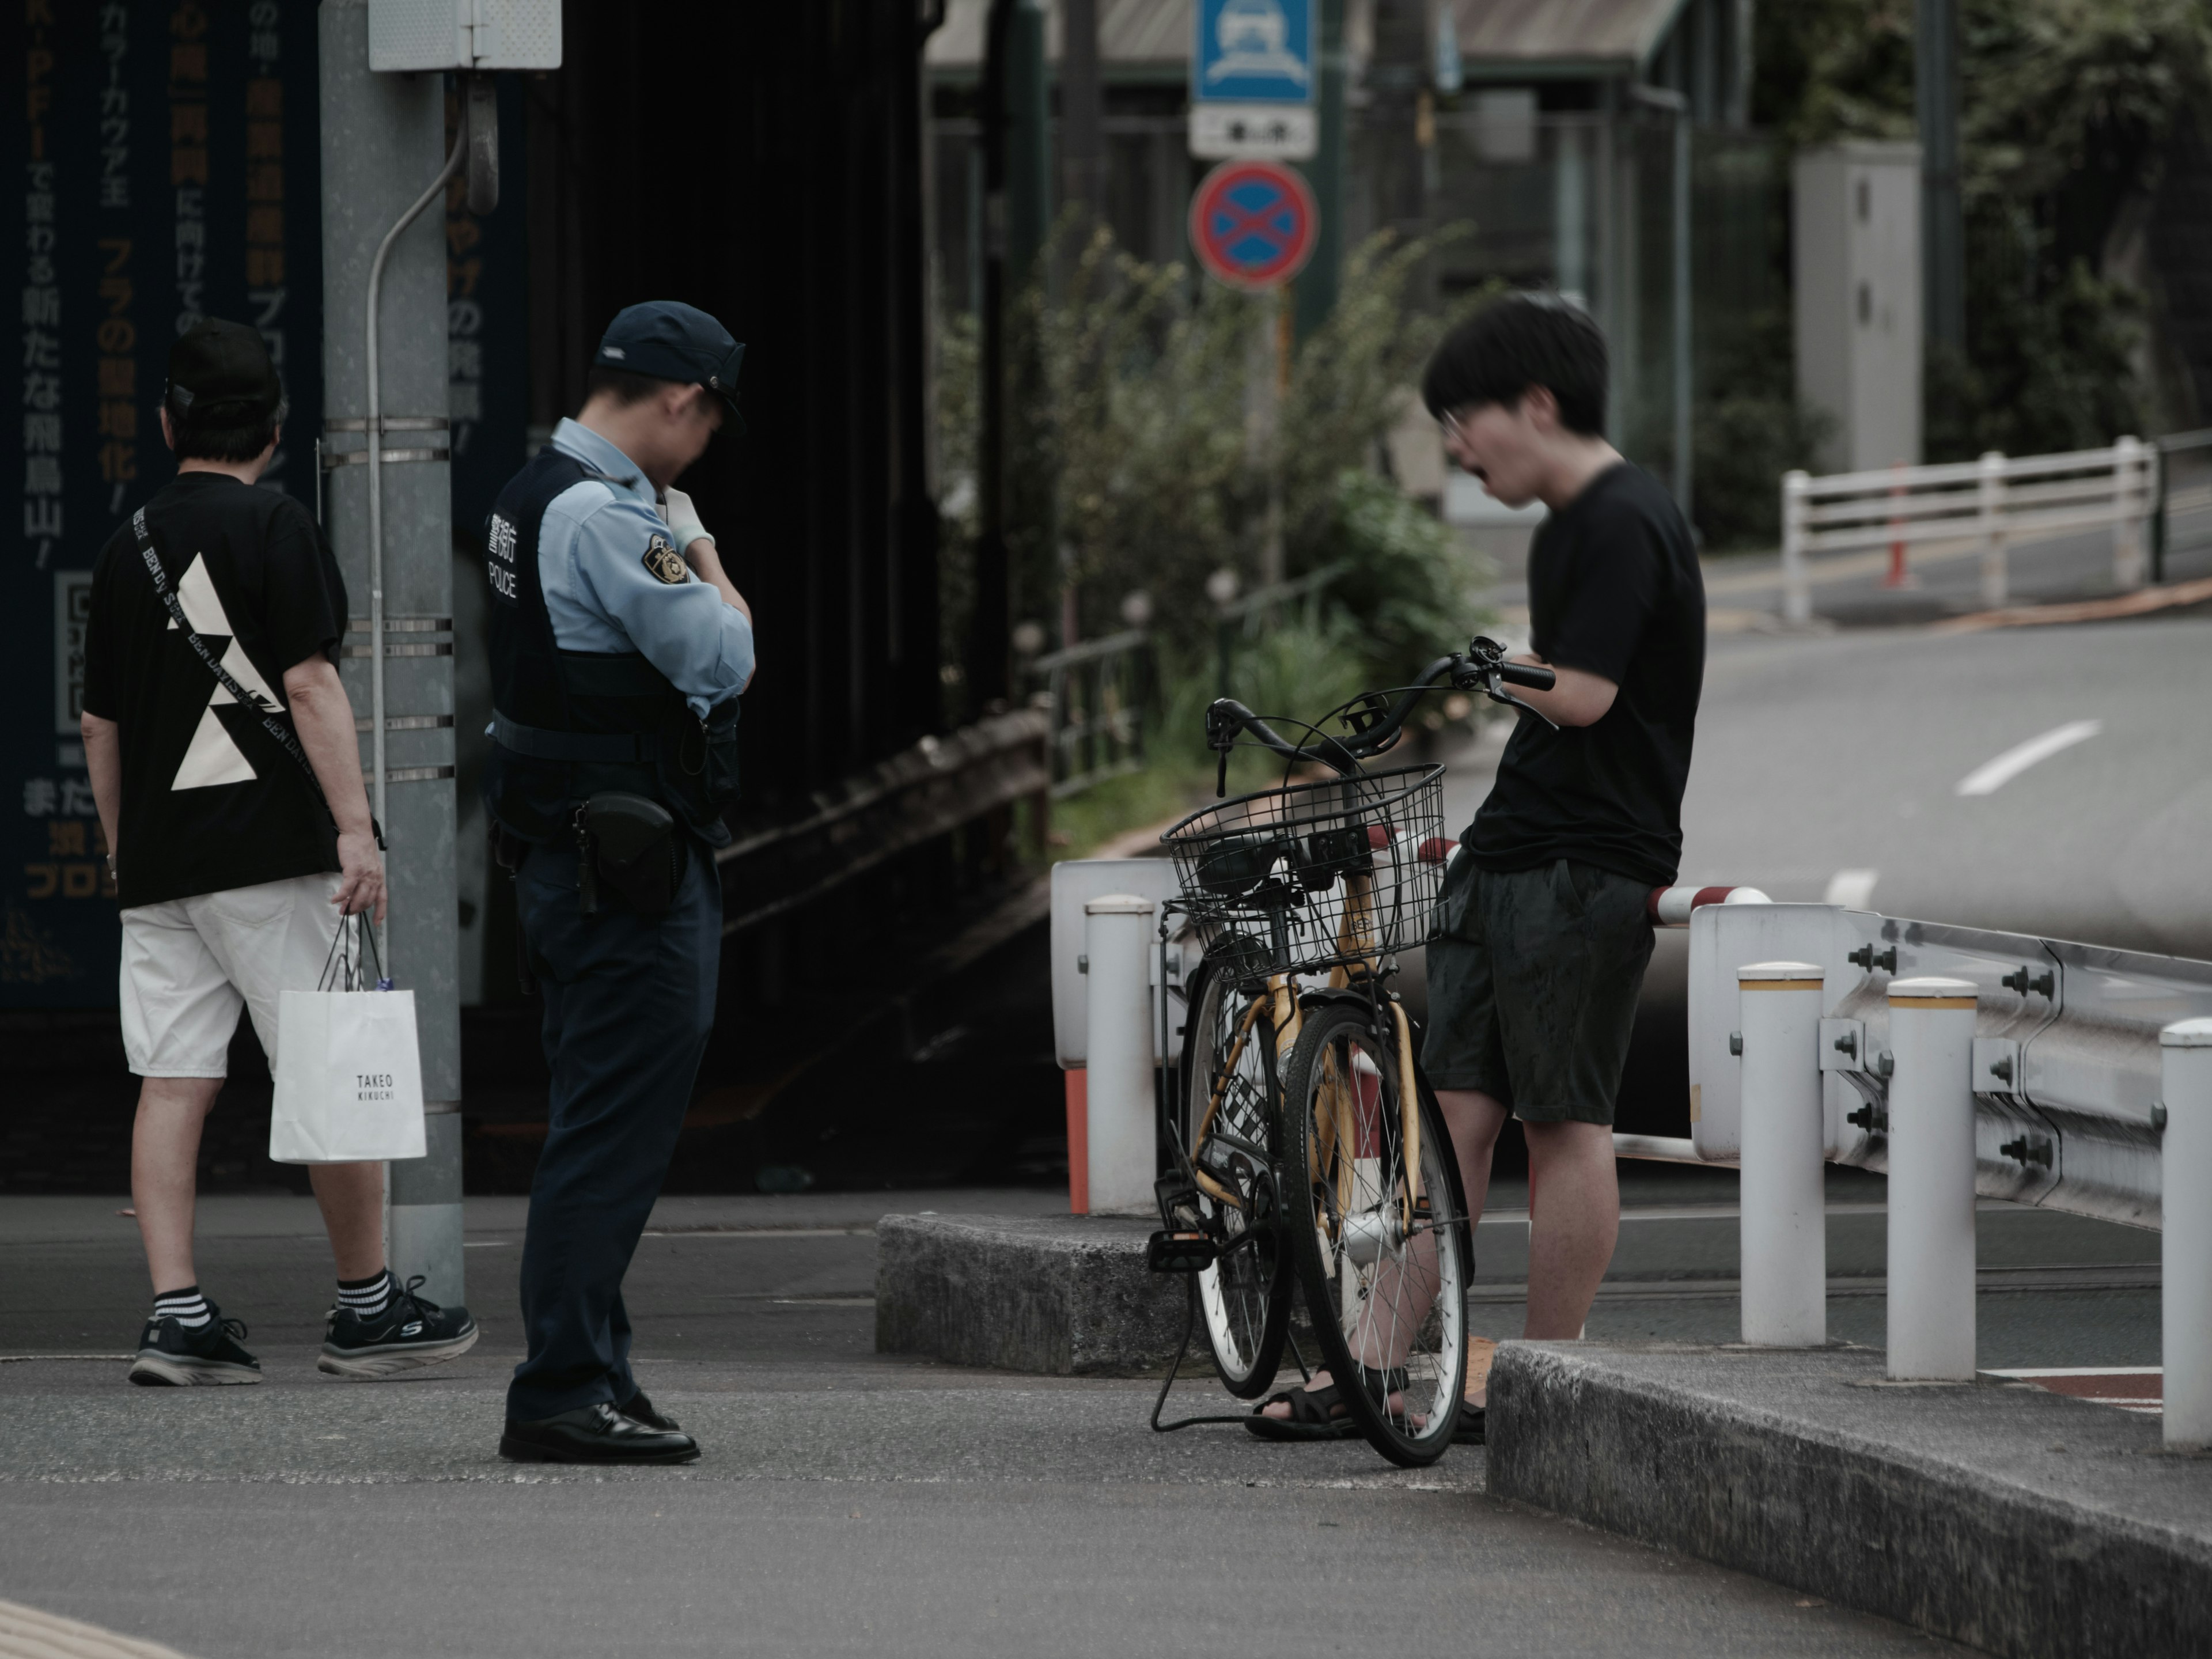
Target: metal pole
(375, 435)
(1118, 1054)
(1317, 282)
(1797, 590)
(2185, 1244)
(1931, 1180)
(1783, 1214)
(1997, 577)
(382, 136)
(1082, 113)
(1942, 221)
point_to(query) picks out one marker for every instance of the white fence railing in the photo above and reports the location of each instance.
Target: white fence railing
(1995, 501)
(1962, 1063)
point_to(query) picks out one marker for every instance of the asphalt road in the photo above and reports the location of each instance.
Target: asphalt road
(851, 1502)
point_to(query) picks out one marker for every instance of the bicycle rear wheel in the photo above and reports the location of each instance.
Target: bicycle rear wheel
(1384, 1261)
(1227, 1127)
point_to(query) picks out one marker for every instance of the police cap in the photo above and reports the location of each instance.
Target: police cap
(671, 341)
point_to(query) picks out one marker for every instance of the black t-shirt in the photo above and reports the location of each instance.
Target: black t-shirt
(1613, 590)
(210, 800)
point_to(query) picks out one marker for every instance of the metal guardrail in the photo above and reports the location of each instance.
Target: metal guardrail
(2066, 1056)
(1098, 691)
(1252, 609)
(1962, 1063)
(1995, 501)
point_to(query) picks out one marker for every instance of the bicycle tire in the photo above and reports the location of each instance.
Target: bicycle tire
(1244, 1298)
(1392, 1326)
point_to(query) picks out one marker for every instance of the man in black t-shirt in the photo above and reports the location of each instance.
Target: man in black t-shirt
(232, 864)
(1544, 934)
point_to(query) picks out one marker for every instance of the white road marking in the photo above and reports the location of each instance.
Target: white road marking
(1852, 888)
(1991, 777)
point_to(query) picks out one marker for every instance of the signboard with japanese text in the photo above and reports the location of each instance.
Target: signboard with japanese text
(164, 169)
(1252, 80)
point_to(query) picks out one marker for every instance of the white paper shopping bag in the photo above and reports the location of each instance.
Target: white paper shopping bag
(348, 1073)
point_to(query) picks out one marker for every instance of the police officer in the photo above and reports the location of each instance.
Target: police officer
(618, 648)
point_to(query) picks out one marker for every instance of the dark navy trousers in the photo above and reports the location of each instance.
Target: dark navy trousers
(629, 999)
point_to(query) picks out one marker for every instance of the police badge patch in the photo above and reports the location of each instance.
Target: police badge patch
(666, 563)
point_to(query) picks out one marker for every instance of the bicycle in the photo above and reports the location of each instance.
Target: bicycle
(1305, 1138)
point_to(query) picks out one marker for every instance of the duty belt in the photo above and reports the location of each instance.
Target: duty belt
(615, 748)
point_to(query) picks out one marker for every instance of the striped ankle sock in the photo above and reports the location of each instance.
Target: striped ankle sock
(187, 1307)
(366, 1297)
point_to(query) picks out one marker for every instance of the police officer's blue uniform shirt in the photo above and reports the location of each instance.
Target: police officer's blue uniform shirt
(607, 587)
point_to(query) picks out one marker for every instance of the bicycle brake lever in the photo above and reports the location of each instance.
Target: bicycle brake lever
(1497, 693)
(1221, 777)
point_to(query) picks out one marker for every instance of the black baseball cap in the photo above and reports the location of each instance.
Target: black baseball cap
(223, 369)
(671, 341)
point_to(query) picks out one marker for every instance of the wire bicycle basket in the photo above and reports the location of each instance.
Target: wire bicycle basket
(1336, 872)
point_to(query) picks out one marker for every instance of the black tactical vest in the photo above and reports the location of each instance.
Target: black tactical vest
(568, 724)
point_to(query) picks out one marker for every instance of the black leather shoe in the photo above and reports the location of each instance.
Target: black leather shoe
(639, 1409)
(594, 1434)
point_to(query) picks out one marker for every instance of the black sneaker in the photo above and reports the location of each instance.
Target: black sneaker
(171, 1356)
(410, 1333)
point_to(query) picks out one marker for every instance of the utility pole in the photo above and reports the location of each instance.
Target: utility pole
(1316, 292)
(383, 149)
(1942, 220)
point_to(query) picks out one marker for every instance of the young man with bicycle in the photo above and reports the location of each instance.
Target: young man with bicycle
(1533, 982)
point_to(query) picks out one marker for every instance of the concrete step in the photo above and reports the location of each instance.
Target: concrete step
(1059, 1295)
(1995, 1513)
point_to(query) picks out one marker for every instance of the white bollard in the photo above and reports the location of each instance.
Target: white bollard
(1783, 1208)
(1123, 1132)
(2185, 1250)
(2129, 504)
(1931, 1180)
(1996, 586)
(1796, 585)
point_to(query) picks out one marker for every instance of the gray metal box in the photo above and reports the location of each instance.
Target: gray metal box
(1855, 223)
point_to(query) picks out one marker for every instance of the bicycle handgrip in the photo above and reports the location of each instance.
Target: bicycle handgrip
(1528, 674)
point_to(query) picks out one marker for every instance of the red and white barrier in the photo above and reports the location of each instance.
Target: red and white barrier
(1670, 907)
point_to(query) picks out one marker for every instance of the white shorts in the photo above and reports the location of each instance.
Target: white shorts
(189, 964)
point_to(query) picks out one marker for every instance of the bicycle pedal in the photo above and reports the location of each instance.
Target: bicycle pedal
(1179, 1252)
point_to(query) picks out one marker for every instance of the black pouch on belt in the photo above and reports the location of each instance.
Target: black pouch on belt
(633, 845)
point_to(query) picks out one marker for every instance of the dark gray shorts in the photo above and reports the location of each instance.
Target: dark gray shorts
(1533, 977)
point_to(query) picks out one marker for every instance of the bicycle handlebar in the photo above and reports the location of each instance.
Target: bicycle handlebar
(1481, 667)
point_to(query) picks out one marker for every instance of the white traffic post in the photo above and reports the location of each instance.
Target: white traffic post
(1797, 590)
(1117, 932)
(1996, 575)
(2128, 504)
(1783, 1209)
(1931, 1180)
(2185, 1250)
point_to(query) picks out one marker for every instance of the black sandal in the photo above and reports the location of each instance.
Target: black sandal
(1313, 1416)
(1472, 1429)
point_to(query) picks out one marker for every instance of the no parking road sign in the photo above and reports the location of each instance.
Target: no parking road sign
(1253, 224)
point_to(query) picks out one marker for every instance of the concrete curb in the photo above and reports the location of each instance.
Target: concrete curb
(1059, 1295)
(2003, 1516)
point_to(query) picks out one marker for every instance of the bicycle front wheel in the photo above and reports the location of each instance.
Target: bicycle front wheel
(1378, 1228)
(1227, 1127)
